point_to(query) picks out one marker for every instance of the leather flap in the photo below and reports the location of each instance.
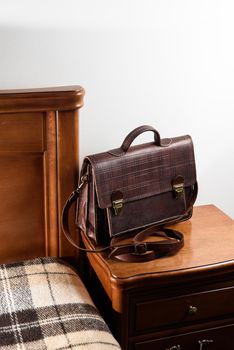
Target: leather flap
(143, 171)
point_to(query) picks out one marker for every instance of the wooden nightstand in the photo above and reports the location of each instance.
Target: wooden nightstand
(185, 301)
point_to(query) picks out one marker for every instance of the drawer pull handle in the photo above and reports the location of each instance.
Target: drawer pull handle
(192, 310)
(175, 347)
(204, 342)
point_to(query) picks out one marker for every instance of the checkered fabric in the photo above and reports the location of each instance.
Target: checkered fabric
(44, 305)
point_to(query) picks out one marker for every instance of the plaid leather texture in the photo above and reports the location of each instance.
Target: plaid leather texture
(141, 180)
(143, 171)
(44, 305)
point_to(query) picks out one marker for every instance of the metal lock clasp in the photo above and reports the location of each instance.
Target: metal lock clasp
(178, 186)
(117, 202)
(179, 190)
(117, 206)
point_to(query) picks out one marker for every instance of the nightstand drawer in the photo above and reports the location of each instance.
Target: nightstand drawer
(211, 339)
(151, 314)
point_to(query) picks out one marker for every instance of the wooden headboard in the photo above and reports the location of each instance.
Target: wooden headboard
(38, 169)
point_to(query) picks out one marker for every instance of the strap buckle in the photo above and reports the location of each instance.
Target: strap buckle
(75, 193)
(140, 248)
(83, 181)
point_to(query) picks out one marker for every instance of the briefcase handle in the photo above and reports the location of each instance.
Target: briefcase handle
(140, 130)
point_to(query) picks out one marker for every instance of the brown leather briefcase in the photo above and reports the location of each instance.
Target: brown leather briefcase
(136, 191)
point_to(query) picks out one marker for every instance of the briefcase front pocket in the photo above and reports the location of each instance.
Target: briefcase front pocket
(148, 211)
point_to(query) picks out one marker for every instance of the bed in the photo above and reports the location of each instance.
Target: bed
(44, 304)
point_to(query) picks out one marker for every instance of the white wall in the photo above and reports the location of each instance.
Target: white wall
(161, 62)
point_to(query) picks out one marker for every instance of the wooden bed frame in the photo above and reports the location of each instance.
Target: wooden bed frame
(38, 169)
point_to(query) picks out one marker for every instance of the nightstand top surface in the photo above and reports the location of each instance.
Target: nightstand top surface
(209, 244)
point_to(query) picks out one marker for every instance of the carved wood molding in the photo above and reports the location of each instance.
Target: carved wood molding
(60, 98)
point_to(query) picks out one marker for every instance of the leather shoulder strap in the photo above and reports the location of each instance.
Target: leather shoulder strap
(137, 251)
(141, 251)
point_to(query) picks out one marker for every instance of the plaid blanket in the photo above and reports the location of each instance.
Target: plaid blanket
(44, 305)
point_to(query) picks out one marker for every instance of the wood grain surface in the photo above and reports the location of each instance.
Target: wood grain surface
(209, 244)
(38, 169)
